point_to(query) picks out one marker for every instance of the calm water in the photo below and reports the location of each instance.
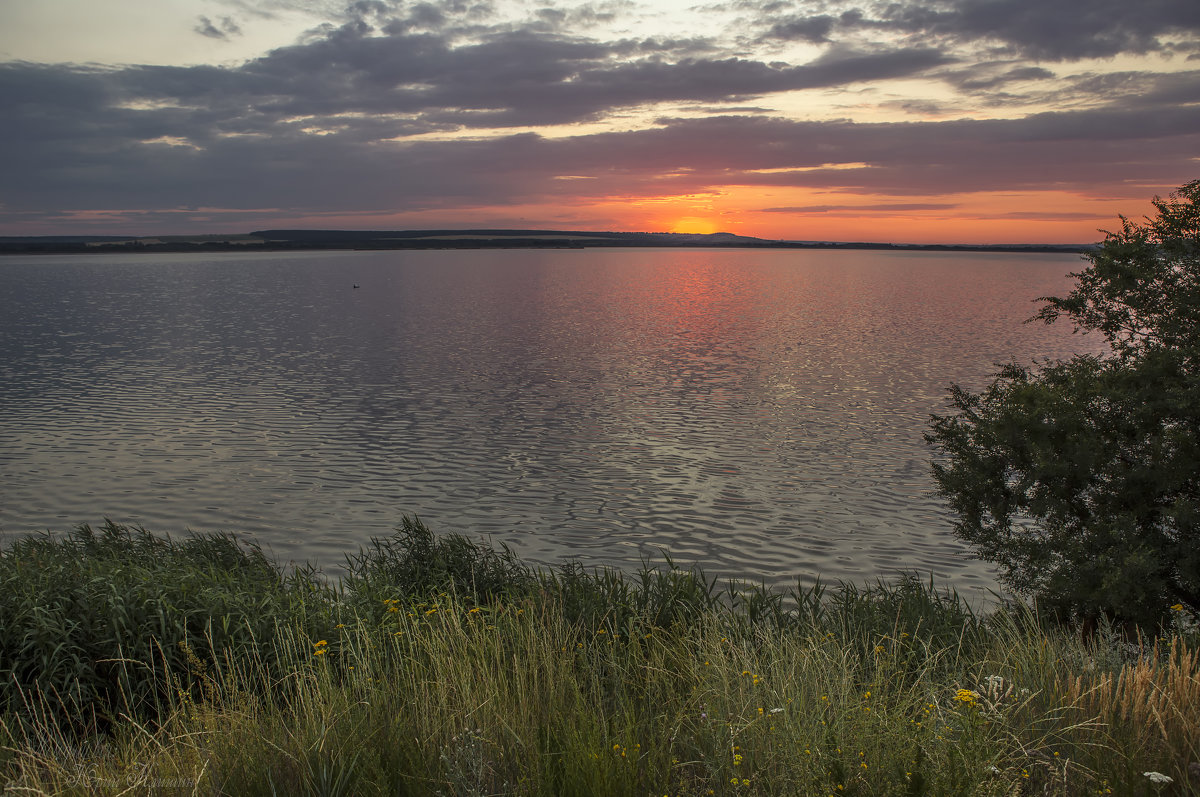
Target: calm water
(759, 412)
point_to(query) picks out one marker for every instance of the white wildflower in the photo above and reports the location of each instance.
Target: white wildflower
(1158, 777)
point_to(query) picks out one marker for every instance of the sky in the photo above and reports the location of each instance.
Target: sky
(919, 121)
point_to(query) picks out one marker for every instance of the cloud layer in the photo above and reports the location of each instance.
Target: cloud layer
(454, 107)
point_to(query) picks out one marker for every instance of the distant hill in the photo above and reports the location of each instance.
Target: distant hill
(458, 239)
(472, 237)
(430, 239)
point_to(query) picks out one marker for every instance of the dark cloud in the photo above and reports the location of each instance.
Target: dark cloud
(983, 78)
(809, 29)
(987, 86)
(511, 78)
(1053, 30)
(78, 143)
(223, 30)
(579, 17)
(341, 121)
(1068, 29)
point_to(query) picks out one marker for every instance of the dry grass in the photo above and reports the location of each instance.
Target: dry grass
(651, 684)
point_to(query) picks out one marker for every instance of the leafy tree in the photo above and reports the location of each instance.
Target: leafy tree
(1080, 479)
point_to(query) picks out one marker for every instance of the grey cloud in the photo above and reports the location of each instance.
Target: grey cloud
(427, 15)
(1146, 89)
(247, 137)
(1062, 30)
(104, 164)
(205, 27)
(1080, 29)
(509, 78)
(108, 166)
(268, 9)
(227, 27)
(983, 78)
(995, 85)
(1060, 150)
(704, 79)
(809, 29)
(926, 108)
(578, 17)
(1052, 30)
(838, 66)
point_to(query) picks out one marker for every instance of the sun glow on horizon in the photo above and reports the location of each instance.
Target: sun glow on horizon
(694, 225)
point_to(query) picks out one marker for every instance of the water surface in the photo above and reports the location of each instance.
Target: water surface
(759, 412)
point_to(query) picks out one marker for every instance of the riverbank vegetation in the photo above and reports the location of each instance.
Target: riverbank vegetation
(131, 663)
(1080, 479)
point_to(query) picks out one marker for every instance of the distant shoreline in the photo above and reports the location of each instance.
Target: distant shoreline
(335, 240)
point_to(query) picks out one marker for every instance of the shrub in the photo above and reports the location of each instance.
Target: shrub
(1081, 479)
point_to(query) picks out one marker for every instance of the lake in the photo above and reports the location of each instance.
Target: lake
(758, 412)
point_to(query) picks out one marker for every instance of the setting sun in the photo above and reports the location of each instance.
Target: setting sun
(695, 225)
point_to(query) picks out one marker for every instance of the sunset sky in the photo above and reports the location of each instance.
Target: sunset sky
(916, 121)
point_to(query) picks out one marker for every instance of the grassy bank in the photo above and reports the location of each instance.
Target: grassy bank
(440, 666)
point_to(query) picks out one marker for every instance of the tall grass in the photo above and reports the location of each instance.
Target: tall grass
(441, 666)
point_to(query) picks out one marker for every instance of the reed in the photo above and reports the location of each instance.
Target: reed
(442, 666)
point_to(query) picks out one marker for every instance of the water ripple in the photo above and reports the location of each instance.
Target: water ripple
(759, 413)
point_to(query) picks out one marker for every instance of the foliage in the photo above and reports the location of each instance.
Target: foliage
(117, 621)
(100, 623)
(1081, 478)
(415, 563)
(892, 689)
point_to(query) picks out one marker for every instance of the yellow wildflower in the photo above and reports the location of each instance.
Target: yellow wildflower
(966, 697)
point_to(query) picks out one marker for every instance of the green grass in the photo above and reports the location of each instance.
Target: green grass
(441, 666)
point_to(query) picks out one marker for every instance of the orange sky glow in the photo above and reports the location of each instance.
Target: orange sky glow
(1044, 217)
